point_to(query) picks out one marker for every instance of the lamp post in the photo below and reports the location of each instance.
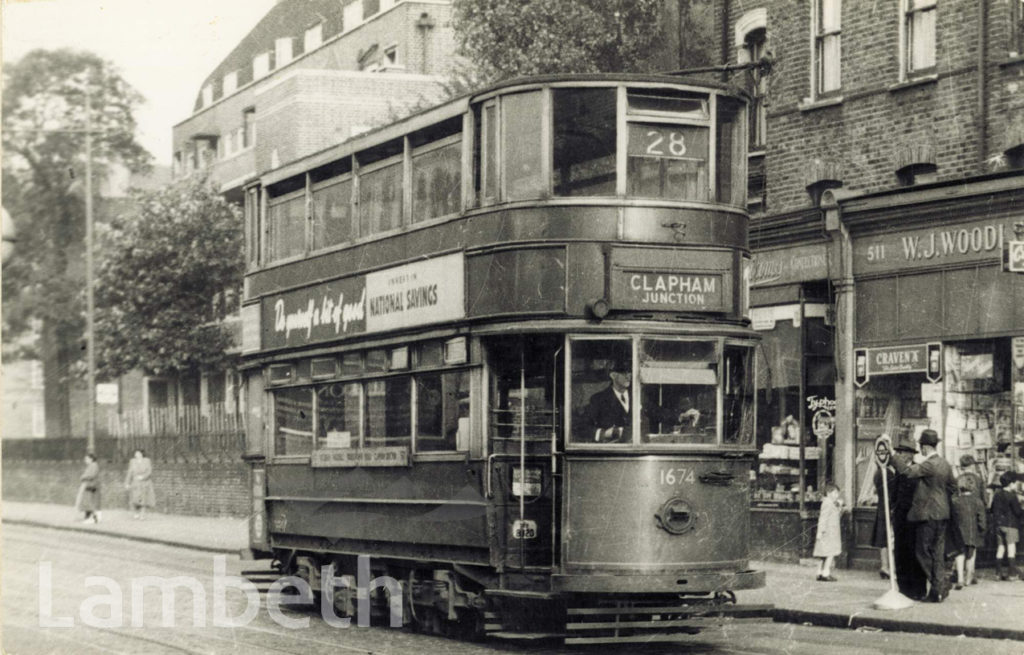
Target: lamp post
(90, 303)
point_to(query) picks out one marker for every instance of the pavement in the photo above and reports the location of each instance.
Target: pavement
(992, 609)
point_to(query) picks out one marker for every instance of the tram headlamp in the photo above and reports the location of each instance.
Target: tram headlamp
(598, 308)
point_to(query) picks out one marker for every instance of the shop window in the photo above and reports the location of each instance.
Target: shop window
(521, 146)
(293, 421)
(919, 36)
(338, 415)
(584, 142)
(380, 199)
(442, 411)
(678, 391)
(437, 179)
(332, 213)
(827, 46)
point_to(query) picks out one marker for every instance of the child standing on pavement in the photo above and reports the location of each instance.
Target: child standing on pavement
(827, 542)
(1006, 514)
(969, 519)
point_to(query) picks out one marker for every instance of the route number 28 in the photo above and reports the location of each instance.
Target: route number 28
(672, 476)
(659, 146)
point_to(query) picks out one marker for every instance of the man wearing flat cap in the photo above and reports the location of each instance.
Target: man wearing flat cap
(929, 512)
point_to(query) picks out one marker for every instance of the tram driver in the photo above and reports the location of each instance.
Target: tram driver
(609, 412)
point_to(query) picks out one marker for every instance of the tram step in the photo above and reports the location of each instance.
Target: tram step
(524, 636)
(692, 622)
(696, 608)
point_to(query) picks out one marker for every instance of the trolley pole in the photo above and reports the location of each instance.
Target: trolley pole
(90, 305)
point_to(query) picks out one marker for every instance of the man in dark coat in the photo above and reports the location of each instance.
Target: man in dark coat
(911, 579)
(608, 412)
(929, 511)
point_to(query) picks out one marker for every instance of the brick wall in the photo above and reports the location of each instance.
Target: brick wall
(864, 132)
(207, 489)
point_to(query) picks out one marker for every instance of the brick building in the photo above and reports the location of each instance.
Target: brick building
(310, 73)
(885, 184)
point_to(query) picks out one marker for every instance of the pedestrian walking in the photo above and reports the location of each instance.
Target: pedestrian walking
(139, 484)
(827, 541)
(929, 512)
(968, 514)
(1006, 516)
(88, 499)
(910, 577)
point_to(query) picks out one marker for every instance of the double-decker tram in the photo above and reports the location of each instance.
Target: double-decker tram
(500, 348)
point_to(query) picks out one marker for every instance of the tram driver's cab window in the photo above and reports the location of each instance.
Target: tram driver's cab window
(667, 387)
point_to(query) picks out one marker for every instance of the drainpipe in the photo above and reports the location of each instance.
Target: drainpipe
(725, 37)
(840, 264)
(982, 82)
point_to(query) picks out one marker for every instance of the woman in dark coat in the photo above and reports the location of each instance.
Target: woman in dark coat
(88, 500)
(879, 537)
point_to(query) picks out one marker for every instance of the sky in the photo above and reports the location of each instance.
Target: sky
(164, 48)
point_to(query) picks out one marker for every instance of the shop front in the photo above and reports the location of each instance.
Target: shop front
(938, 340)
(792, 309)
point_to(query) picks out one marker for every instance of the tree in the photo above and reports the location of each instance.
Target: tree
(44, 120)
(511, 38)
(166, 277)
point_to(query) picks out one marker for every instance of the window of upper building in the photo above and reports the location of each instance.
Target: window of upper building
(390, 56)
(827, 46)
(371, 8)
(282, 51)
(207, 95)
(260, 65)
(249, 127)
(918, 37)
(352, 15)
(1016, 28)
(755, 46)
(230, 83)
(313, 38)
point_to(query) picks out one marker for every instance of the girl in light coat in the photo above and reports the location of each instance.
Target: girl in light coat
(827, 541)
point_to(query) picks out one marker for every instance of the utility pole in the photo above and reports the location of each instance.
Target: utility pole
(90, 305)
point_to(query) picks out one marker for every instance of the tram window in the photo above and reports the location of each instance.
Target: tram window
(442, 411)
(332, 214)
(286, 227)
(388, 411)
(602, 392)
(584, 142)
(668, 161)
(430, 354)
(738, 396)
(376, 361)
(490, 156)
(437, 181)
(679, 391)
(293, 421)
(351, 364)
(521, 145)
(380, 199)
(667, 102)
(731, 185)
(252, 223)
(337, 415)
(523, 388)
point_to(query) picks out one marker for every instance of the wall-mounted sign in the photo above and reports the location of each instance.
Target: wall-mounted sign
(789, 265)
(930, 247)
(823, 422)
(424, 292)
(667, 291)
(352, 457)
(917, 358)
(106, 393)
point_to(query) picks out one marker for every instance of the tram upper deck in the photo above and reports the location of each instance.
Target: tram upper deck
(536, 175)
